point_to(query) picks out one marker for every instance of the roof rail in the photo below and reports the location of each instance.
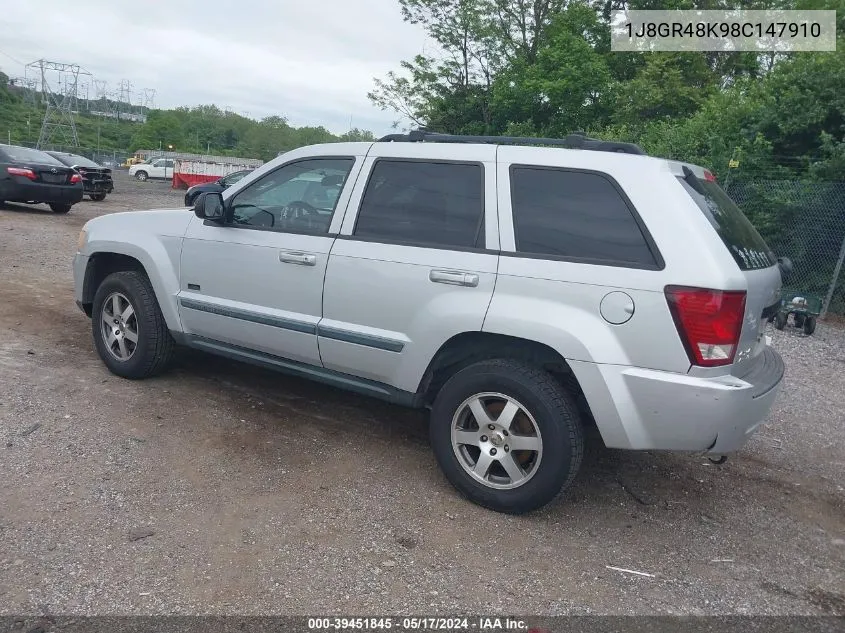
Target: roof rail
(576, 140)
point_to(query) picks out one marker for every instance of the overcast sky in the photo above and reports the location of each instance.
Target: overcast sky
(312, 61)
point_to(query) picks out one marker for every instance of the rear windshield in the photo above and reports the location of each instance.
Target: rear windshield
(739, 235)
(74, 160)
(27, 155)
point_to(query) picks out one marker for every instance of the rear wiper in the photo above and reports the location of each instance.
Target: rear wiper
(693, 181)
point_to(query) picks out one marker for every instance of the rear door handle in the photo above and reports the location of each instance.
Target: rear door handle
(297, 257)
(454, 278)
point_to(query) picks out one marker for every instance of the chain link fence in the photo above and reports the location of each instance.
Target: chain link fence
(804, 221)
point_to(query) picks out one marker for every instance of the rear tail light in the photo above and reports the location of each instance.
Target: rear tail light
(75, 178)
(22, 171)
(709, 322)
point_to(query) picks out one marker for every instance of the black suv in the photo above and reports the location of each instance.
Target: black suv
(96, 179)
(32, 176)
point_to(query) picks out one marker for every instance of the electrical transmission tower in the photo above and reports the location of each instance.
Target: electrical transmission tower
(149, 98)
(125, 99)
(59, 88)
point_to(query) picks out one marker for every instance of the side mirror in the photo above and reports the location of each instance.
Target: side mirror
(209, 206)
(785, 265)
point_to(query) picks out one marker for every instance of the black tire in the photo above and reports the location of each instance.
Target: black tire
(799, 320)
(141, 175)
(809, 325)
(60, 208)
(556, 417)
(780, 320)
(155, 346)
(98, 197)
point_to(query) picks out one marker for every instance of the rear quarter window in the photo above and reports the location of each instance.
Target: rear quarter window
(578, 216)
(739, 236)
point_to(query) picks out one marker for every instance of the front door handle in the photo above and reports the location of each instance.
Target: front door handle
(297, 257)
(453, 278)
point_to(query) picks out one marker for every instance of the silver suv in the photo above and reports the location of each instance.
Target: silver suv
(519, 292)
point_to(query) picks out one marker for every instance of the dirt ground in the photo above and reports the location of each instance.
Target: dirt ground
(220, 488)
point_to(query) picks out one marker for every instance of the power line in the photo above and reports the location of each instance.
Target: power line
(12, 58)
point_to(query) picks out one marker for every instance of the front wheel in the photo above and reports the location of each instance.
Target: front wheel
(129, 330)
(98, 197)
(60, 208)
(141, 175)
(507, 435)
(780, 320)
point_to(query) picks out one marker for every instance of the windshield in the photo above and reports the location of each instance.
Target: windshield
(27, 155)
(75, 160)
(745, 244)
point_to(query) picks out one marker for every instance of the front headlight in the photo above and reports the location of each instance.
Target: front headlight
(83, 237)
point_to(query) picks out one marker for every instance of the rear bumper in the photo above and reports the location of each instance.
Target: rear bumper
(38, 192)
(654, 410)
(98, 186)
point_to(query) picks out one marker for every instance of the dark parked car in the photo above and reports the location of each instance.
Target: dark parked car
(218, 186)
(32, 176)
(96, 179)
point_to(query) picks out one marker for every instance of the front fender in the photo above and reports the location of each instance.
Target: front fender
(159, 255)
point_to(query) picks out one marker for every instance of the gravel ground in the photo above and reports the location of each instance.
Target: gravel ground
(220, 488)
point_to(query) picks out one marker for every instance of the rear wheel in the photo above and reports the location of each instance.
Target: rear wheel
(507, 435)
(780, 320)
(809, 325)
(60, 208)
(98, 197)
(129, 330)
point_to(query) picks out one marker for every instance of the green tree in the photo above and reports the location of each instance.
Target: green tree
(564, 89)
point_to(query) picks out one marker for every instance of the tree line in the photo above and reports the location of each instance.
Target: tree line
(202, 129)
(545, 68)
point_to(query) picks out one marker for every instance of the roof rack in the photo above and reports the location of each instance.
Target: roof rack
(576, 140)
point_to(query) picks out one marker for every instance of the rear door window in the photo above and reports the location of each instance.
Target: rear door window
(424, 203)
(576, 216)
(745, 244)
